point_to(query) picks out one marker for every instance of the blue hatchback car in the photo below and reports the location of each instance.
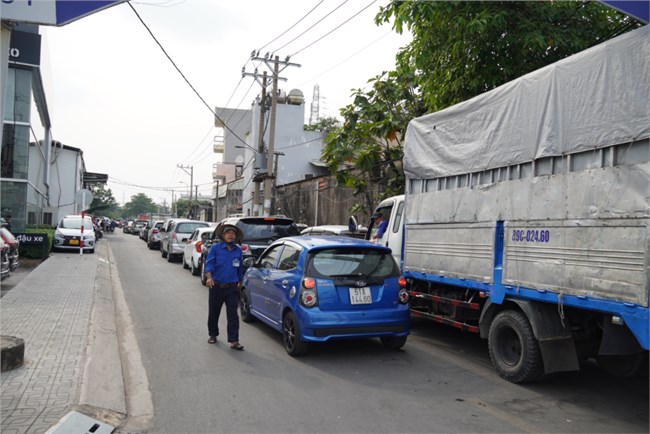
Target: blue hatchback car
(314, 289)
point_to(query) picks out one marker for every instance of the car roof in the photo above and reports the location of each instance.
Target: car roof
(330, 241)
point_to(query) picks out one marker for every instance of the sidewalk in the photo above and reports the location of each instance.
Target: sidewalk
(65, 313)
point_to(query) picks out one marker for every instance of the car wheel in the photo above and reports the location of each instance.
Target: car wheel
(185, 266)
(149, 246)
(162, 252)
(204, 279)
(195, 270)
(393, 342)
(170, 258)
(245, 307)
(513, 348)
(291, 336)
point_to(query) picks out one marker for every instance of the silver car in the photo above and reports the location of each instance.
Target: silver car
(176, 235)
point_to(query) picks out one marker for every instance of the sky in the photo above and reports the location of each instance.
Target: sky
(113, 93)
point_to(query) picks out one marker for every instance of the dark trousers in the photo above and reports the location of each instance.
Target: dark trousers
(216, 299)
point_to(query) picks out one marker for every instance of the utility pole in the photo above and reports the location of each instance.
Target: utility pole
(191, 173)
(275, 67)
(275, 179)
(260, 145)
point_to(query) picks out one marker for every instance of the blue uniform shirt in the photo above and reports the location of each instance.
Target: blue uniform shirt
(382, 228)
(226, 266)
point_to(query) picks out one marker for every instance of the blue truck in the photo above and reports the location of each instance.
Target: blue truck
(526, 217)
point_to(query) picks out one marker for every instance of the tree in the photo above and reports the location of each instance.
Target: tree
(461, 49)
(369, 142)
(140, 204)
(103, 201)
(325, 125)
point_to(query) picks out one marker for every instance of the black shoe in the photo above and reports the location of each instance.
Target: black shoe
(212, 340)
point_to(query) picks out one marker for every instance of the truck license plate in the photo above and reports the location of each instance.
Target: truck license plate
(360, 295)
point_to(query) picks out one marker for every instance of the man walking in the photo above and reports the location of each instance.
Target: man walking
(224, 269)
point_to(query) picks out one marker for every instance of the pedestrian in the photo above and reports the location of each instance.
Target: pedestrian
(381, 225)
(224, 269)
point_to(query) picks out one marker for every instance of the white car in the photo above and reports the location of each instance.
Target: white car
(68, 236)
(194, 245)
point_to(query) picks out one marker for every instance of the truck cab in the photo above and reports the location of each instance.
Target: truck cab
(393, 211)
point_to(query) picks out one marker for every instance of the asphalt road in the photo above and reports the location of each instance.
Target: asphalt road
(441, 381)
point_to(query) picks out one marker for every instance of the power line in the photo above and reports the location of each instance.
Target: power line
(312, 26)
(294, 25)
(181, 73)
(335, 28)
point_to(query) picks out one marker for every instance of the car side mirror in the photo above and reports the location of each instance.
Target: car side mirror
(249, 262)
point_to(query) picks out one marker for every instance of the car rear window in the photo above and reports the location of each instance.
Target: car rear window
(352, 262)
(188, 228)
(267, 229)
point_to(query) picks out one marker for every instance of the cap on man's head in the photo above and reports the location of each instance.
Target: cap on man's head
(376, 215)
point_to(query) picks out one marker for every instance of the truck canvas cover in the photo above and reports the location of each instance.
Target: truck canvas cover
(541, 114)
(557, 162)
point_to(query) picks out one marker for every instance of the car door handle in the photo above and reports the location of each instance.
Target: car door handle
(285, 283)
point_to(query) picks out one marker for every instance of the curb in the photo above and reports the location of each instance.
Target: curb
(102, 393)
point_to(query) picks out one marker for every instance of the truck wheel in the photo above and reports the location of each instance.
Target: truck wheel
(514, 350)
(393, 342)
(291, 336)
(627, 366)
(245, 307)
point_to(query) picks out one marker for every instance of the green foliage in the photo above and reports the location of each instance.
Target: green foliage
(140, 204)
(459, 49)
(369, 143)
(325, 125)
(103, 201)
(35, 251)
(463, 48)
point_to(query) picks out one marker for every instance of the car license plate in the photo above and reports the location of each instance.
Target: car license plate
(360, 295)
(74, 242)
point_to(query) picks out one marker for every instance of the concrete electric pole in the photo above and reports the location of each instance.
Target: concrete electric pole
(269, 176)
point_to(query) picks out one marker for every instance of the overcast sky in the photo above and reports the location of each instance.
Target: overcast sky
(112, 92)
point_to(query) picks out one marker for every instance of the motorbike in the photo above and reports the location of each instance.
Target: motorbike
(4, 260)
(12, 247)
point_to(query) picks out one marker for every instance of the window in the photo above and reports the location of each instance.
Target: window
(268, 260)
(47, 218)
(353, 262)
(31, 218)
(288, 258)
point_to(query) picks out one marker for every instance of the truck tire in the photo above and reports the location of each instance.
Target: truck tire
(514, 350)
(624, 366)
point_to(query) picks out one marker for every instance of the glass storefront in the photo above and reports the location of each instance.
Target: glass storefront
(15, 148)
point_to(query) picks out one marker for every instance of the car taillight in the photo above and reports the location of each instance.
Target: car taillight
(403, 296)
(308, 293)
(244, 248)
(155, 231)
(198, 246)
(402, 282)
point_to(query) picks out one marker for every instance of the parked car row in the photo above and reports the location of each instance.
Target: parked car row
(311, 288)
